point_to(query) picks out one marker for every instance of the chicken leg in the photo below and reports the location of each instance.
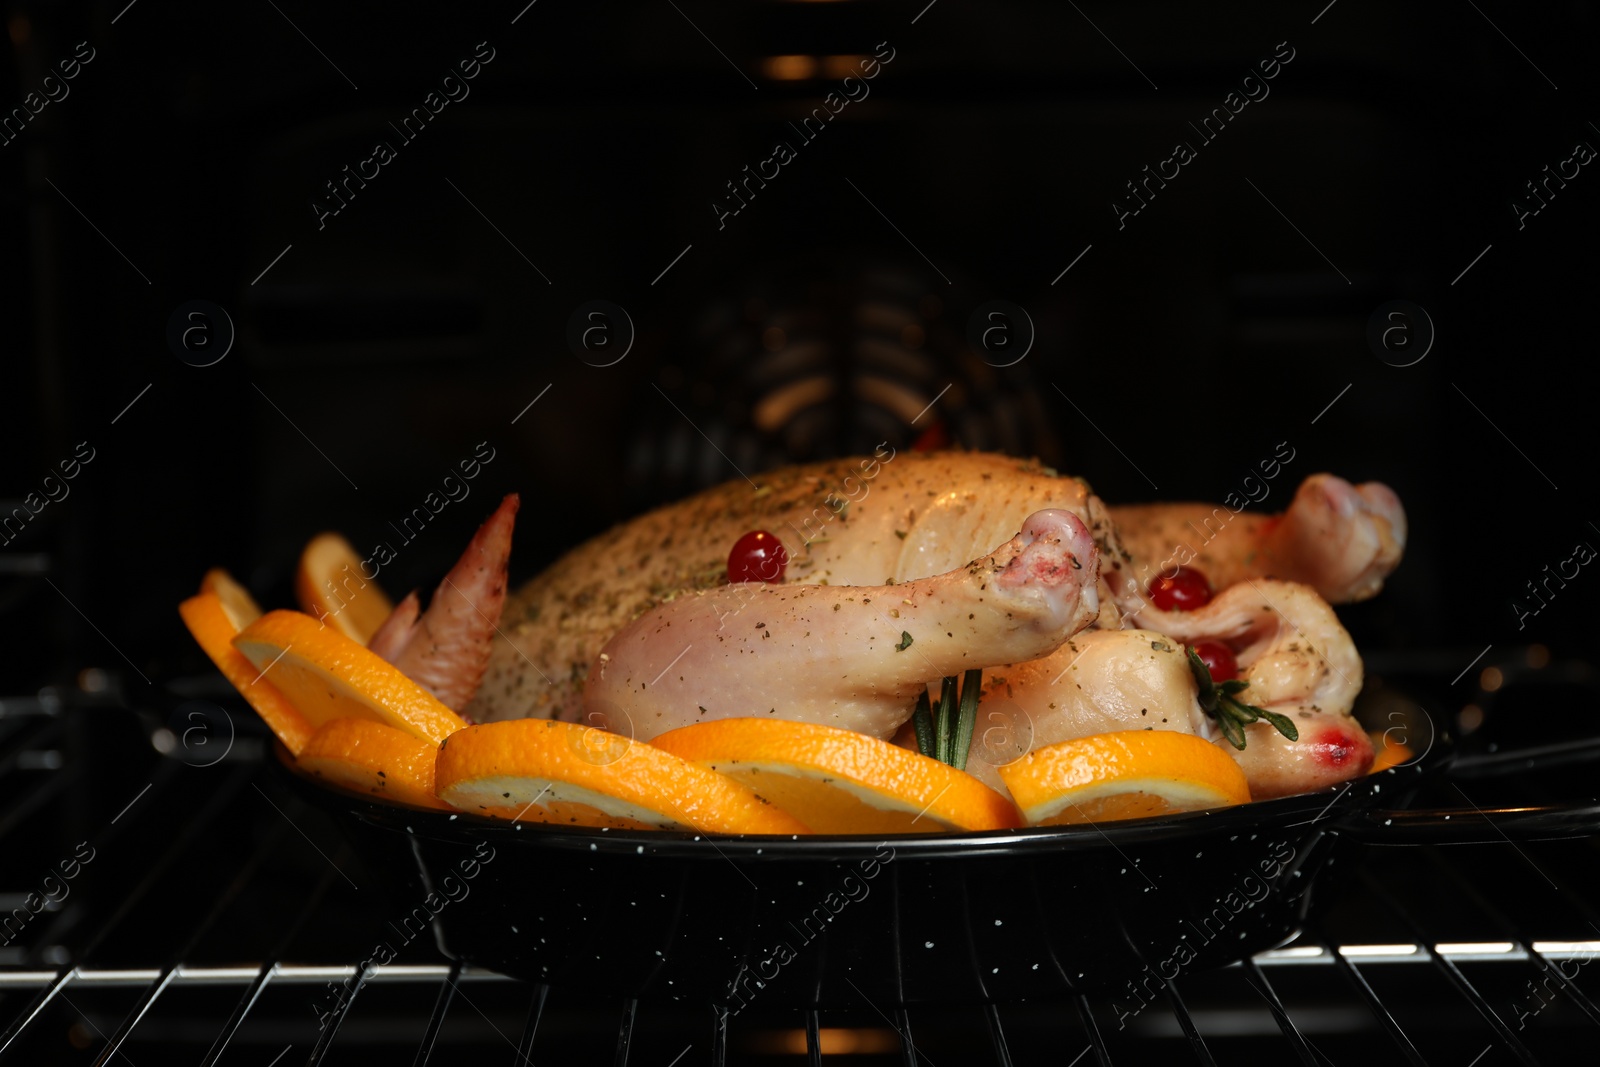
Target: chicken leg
(1341, 539)
(847, 656)
(1300, 662)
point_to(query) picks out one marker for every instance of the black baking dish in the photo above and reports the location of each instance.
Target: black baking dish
(993, 916)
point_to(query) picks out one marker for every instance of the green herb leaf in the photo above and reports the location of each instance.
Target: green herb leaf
(1282, 723)
(944, 727)
(971, 687)
(1202, 677)
(922, 721)
(1244, 713)
(945, 732)
(905, 641)
(1231, 730)
(1232, 715)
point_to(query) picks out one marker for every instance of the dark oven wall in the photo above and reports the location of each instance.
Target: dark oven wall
(1191, 310)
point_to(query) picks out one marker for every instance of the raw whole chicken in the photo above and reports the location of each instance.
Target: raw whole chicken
(906, 567)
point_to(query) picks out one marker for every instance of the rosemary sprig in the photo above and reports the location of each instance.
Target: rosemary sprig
(944, 728)
(945, 733)
(971, 685)
(922, 720)
(1219, 701)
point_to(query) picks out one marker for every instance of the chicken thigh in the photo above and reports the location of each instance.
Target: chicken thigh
(1099, 681)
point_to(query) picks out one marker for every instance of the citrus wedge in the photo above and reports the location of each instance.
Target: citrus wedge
(330, 676)
(842, 782)
(236, 600)
(539, 770)
(330, 585)
(369, 757)
(1129, 774)
(212, 626)
(1389, 753)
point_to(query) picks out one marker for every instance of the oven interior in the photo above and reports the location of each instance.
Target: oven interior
(376, 347)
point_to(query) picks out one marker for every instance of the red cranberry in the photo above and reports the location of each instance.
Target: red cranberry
(1219, 660)
(758, 556)
(1183, 590)
(933, 439)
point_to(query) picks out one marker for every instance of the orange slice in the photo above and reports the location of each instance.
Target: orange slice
(369, 757)
(842, 782)
(539, 770)
(330, 585)
(1129, 774)
(212, 626)
(241, 607)
(1389, 753)
(329, 676)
